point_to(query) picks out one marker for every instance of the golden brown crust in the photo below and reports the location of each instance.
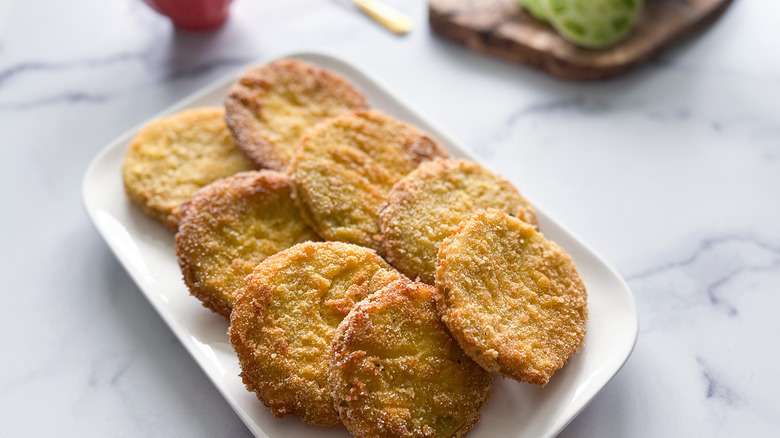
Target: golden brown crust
(395, 371)
(345, 167)
(285, 317)
(272, 106)
(230, 226)
(512, 299)
(171, 158)
(424, 206)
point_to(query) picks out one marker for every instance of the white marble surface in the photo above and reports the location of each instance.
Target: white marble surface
(671, 173)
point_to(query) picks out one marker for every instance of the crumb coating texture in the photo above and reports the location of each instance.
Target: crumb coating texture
(396, 372)
(424, 206)
(230, 226)
(286, 315)
(272, 106)
(172, 158)
(512, 298)
(345, 167)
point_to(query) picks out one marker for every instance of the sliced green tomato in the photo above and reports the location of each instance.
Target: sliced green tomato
(595, 24)
(535, 8)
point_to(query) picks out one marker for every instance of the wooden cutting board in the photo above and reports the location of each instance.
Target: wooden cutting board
(503, 29)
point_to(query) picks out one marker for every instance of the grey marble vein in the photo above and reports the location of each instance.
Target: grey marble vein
(53, 67)
(181, 71)
(708, 246)
(715, 387)
(709, 279)
(504, 130)
(67, 98)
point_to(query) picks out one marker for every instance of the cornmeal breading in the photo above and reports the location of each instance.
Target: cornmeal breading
(171, 158)
(230, 226)
(424, 206)
(329, 331)
(344, 169)
(512, 299)
(272, 106)
(286, 315)
(395, 371)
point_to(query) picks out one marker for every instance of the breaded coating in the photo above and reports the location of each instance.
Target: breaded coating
(395, 371)
(272, 106)
(344, 169)
(286, 315)
(171, 158)
(423, 207)
(512, 299)
(230, 226)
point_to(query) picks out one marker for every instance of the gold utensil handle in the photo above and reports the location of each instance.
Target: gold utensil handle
(393, 20)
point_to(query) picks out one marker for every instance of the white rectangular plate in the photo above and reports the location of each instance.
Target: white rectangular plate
(146, 249)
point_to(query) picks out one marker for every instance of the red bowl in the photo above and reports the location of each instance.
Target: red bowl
(195, 15)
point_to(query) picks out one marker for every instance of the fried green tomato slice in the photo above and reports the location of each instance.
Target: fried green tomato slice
(423, 207)
(512, 298)
(395, 371)
(285, 317)
(344, 169)
(230, 226)
(272, 106)
(172, 158)
(595, 24)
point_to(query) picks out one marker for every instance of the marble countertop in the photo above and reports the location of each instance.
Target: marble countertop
(671, 173)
